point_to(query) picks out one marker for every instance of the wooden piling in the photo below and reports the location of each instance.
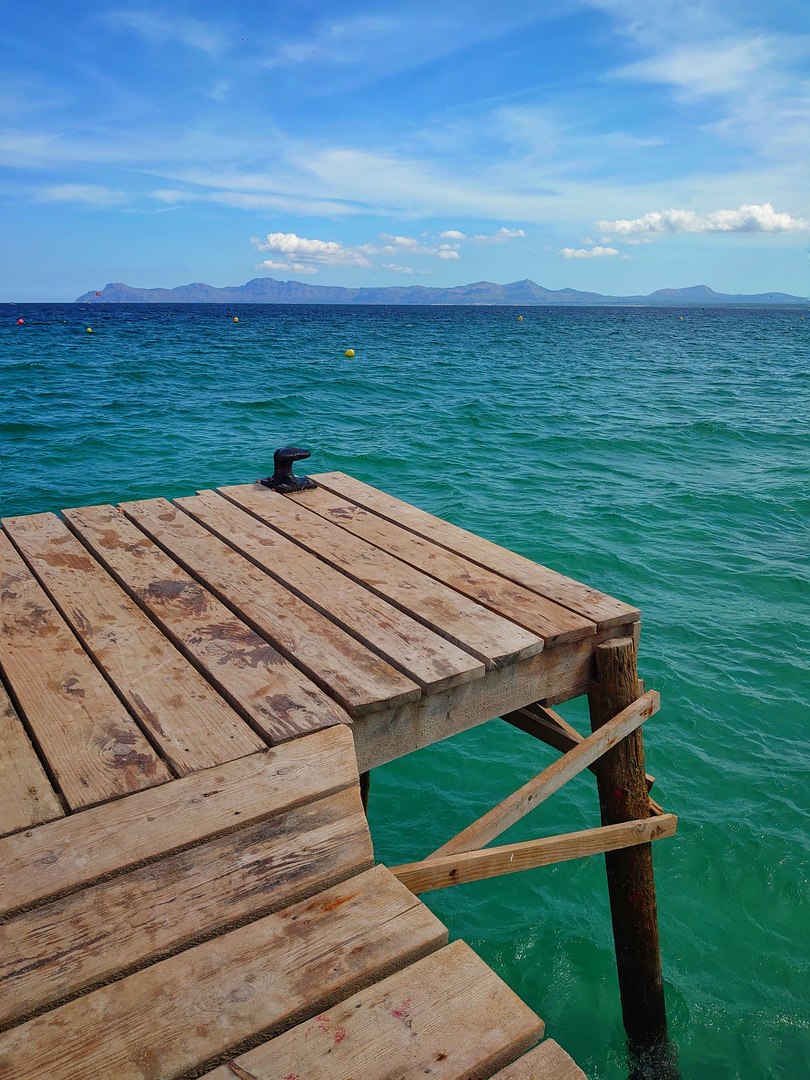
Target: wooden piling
(631, 886)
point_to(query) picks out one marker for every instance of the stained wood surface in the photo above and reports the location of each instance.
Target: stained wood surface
(550, 621)
(26, 796)
(190, 722)
(210, 1000)
(95, 750)
(447, 1016)
(106, 840)
(493, 639)
(357, 678)
(604, 610)
(548, 1061)
(270, 692)
(540, 787)
(420, 653)
(439, 873)
(57, 950)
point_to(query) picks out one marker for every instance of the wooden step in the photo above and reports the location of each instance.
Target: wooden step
(548, 1061)
(26, 796)
(213, 1000)
(62, 856)
(60, 949)
(448, 1016)
(94, 749)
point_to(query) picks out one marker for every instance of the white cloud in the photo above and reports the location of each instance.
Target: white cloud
(699, 70)
(582, 253)
(500, 236)
(403, 269)
(448, 253)
(399, 241)
(91, 194)
(324, 252)
(188, 31)
(748, 218)
(452, 234)
(296, 267)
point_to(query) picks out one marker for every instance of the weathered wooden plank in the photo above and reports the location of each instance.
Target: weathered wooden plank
(93, 747)
(448, 1015)
(439, 873)
(26, 796)
(65, 855)
(548, 1061)
(493, 639)
(550, 621)
(424, 656)
(538, 789)
(191, 1009)
(604, 610)
(193, 726)
(275, 697)
(55, 951)
(358, 679)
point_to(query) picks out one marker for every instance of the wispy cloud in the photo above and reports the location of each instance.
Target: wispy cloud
(312, 253)
(161, 27)
(700, 70)
(588, 253)
(500, 236)
(90, 194)
(750, 218)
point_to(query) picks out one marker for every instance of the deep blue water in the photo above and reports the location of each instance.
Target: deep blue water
(661, 455)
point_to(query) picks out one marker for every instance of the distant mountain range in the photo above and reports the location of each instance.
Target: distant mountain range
(272, 291)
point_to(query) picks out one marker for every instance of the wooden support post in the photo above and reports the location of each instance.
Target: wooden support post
(631, 886)
(365, 787)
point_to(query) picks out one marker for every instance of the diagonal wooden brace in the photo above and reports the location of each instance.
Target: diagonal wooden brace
(520, 802)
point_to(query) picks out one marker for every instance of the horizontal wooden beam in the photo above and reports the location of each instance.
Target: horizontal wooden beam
(438, 873)
(520, 802)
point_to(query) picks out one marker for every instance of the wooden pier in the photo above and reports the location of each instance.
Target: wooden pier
(191, 692)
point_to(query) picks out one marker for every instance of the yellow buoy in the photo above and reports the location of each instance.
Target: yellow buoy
(681, 317)
(89, 330)
(520, 318)
(235, 319)
(349, 352)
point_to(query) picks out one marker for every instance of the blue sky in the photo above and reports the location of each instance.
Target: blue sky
(614, 145)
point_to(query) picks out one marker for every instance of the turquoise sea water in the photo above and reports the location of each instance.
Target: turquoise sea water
(662, 459)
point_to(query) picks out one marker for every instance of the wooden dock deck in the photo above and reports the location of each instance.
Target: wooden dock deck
(192, 689)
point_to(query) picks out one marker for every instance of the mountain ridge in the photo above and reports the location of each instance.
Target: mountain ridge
(485, 293)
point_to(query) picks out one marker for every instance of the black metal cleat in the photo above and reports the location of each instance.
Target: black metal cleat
(283, 480)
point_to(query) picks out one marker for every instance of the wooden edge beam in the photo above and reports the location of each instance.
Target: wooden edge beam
(520, 802)
(438, 873)
(549, 727)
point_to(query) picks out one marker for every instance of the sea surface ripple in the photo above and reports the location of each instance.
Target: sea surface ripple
(660, 455)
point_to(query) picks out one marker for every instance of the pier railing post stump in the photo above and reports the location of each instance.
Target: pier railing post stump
(631, 887)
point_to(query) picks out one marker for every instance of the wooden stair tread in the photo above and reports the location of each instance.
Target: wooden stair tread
(93, 747)
(60, 949)
(548, 1061)
(213, 999)
(448, 1015)
(59, 857)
